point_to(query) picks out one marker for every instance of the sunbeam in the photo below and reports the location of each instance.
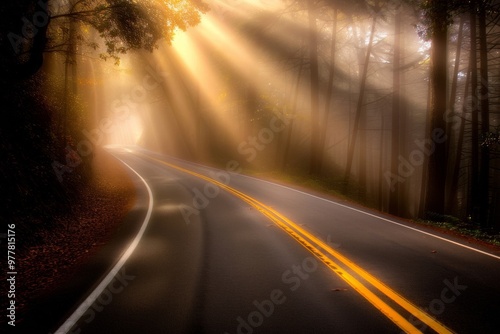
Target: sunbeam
(250, 130)
(326, 71)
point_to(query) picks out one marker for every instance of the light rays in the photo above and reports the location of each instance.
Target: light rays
(222, 80)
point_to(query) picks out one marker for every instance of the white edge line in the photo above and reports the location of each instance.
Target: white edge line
(378, 217)
(343, 205)
(80, 311)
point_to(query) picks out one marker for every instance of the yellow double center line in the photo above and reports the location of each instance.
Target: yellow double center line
(320, 249)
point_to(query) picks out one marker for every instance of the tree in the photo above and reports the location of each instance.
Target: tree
(30, 29)
(361, 99)
(484, 172)
(314, 88)
(456, 155)
(123, 25)
(438, 15)
(396, 103)
(329, 90)
(474, 187)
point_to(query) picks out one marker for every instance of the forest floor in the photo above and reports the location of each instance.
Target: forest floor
(60, 252)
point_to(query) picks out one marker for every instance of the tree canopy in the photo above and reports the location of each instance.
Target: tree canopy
(33, 27)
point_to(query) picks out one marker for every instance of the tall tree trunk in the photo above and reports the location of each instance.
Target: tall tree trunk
(314, 87)
(359, 107)
(455, 175)
(425, 167)
(362, 155)
(70, 72)
(484, 172)
(381, 202)
(396, 103)
(474, 183)
(435, 198)
(453, 152)
(293, 108)
(329, 92)
(456, 69)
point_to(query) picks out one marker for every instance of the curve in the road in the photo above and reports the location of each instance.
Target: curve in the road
(313, 245)
(80, 311)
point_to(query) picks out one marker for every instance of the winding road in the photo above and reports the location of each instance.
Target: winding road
(215, 251)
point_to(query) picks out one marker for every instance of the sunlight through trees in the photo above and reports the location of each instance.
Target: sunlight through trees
(392, 103)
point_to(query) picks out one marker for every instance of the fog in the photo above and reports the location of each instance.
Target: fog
(283, 88)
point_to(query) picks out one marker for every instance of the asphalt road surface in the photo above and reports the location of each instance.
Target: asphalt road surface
(214, 251)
